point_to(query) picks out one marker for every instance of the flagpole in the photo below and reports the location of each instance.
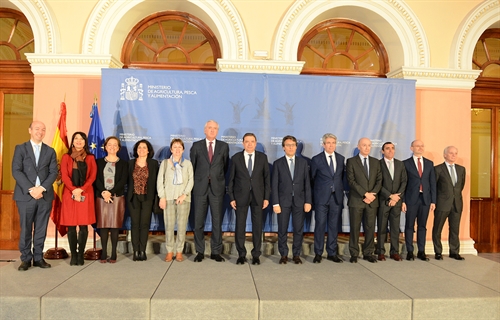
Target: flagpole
(56, 252)
(94, 253)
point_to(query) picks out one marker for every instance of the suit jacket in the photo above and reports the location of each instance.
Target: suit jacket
(25, 170)
(204, 171)
(285, 189)
(152, 177)
(428, 181)
(121, 175)
(390, 185)
(241, 184)
(323, 180)
(360, 184)
(447, 194)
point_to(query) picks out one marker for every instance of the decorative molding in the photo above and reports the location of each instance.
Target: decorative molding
(71, 64)
(438, 78)
(44, 27)
(466, 247)
(260, 66)
(107, 14)
(397, 14)
(471, 28)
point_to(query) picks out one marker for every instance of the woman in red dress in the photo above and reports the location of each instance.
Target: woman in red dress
(78, 173)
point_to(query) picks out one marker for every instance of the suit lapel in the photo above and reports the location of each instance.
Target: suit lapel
(31, 152)
(360, 164)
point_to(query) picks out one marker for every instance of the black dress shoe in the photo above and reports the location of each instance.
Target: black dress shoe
(297, 260)
(456, 256)
(353, 259)
(438, 256)
(370, 258)
(410, 256)
(24, 266)
(422, 256)
(255, 261)
(335, 259)
(41, 264)
(217, 257)
(143, 256)
(199, 257)
(283, 260)
(241, 260)
(137, 256)
(317, 259)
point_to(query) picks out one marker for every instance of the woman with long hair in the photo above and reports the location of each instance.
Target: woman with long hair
(175, 182)
(78, 173)
(141, 195)
(110, 201)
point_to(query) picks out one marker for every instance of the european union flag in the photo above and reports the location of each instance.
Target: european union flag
(96, 136)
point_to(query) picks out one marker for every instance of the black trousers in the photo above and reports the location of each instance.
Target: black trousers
(140, 214)
(240, 230)
(297, 214)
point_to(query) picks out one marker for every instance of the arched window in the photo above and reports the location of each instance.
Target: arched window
(171, 40)
(16, 37)
(343, 47)
(487, 54)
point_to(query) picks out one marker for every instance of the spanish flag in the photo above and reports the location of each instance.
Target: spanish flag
(61, 146)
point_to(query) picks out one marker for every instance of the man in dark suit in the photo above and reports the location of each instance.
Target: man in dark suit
(291, 189)
(419, 198)
(450, 182)
(365, 181)
(210, 158)
(390, 201)
(249, 186)
(34, 167)
(327, 174)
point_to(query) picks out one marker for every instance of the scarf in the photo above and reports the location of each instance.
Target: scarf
(177, 171)
(77, 156)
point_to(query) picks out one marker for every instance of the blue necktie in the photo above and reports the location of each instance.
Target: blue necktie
(332, 170)
(37, 156)
(250, 165)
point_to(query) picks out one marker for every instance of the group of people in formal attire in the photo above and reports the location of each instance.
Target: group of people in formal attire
(378, 191)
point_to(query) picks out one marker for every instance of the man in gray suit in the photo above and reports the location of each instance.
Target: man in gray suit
(210, 158)
(390, 198)
(450, 182)
(34, 167)
(365, 181)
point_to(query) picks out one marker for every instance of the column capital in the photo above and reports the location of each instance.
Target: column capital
(438, 78)
(71, 64)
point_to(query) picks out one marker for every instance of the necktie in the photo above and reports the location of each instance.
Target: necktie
(292, 167)
(250, 164)
(366, 167)
(453, 177)
(332, 169)
(37, 156)
(210, 151)
(420, 172)
(391, 169)
(37, 153)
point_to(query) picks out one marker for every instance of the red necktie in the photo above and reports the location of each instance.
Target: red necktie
(210, 152)
(420, 172)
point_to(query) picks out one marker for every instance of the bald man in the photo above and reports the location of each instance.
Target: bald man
(419, 198)
(364, 176)
(450, 182)
(34, 167)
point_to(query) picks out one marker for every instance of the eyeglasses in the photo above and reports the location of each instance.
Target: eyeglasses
(289, 145)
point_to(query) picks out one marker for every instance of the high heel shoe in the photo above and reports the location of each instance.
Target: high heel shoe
(179, 257)
(143, 256)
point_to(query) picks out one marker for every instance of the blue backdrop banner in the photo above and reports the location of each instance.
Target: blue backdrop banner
(162, 105)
